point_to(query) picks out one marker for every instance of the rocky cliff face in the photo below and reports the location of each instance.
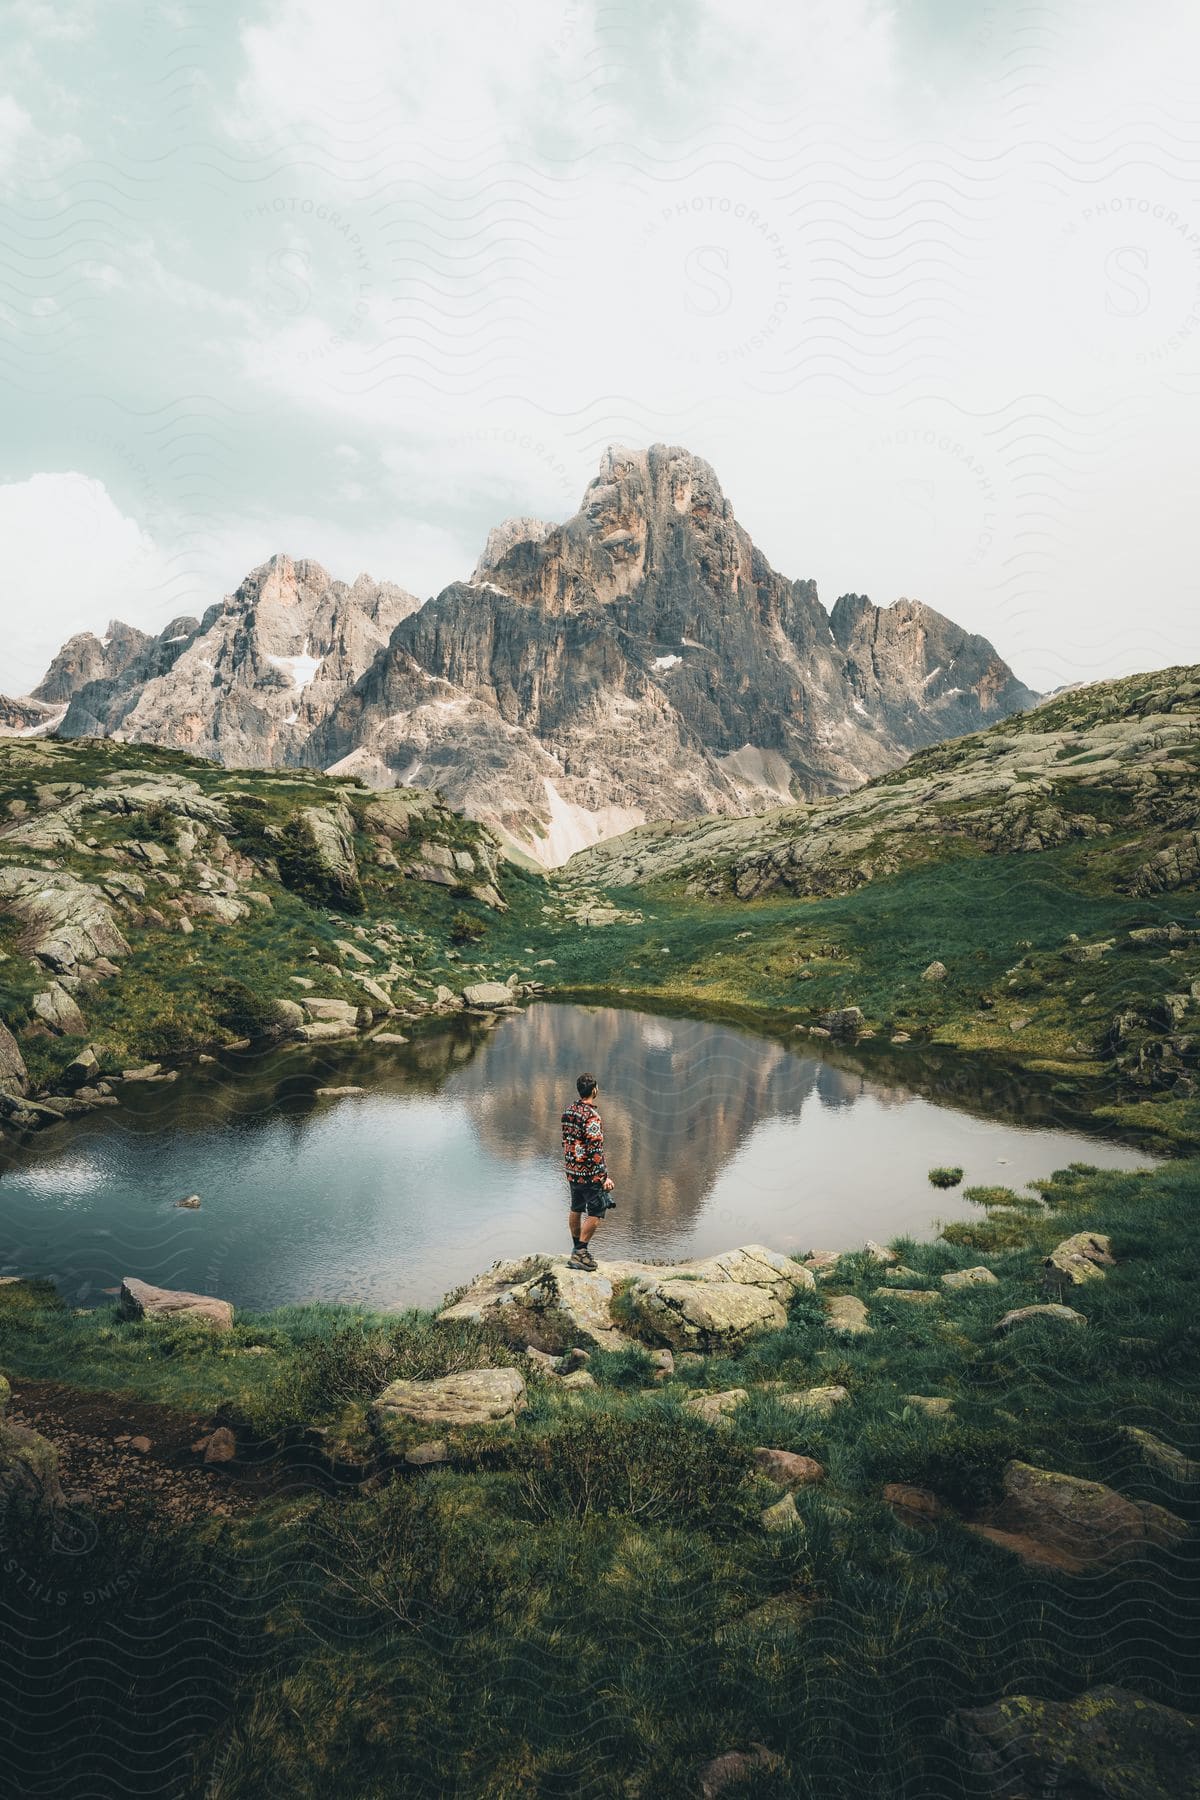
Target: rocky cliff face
(641, 661)
(644, 660)
(86, 658)
(247, 684)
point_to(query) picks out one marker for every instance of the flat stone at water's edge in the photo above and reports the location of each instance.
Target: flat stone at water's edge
(140, 1300)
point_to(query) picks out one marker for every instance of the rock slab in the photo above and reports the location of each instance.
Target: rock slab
(139, 1300)
(472, 1397)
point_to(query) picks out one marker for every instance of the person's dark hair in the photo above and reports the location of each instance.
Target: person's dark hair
(586, 1086)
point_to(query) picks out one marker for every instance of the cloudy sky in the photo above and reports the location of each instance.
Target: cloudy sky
(921, 281)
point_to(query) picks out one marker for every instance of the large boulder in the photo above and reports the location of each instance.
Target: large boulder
(487, 996)
(332, 830)
(337, 1012)
(472, 1397)
(14, 1076)
(71, 924)
(56, 1008)
(752, 1265)
(139, 1300)
(1107, 1744)
(1079, 1259)
(28, 1467)
(688, 1314)
(1065, 1522)
(538, 1300)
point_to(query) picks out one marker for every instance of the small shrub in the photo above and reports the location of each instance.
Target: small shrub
(945, 1178)
(303, 872)
(959, 1462)
(672, 1470)
(247, 1014)
(155, 824)
(997, 1196)
(465, 928)
(354, 1360)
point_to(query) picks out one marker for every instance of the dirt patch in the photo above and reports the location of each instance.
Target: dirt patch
(99, 1466)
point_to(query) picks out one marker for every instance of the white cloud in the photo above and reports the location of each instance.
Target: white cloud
(72, 562)
(15, 126)
(350, 75)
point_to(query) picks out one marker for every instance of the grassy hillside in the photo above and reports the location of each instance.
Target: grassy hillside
(226, 902)
(1051, 865)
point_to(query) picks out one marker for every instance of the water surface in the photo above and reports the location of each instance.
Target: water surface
(451, 1159)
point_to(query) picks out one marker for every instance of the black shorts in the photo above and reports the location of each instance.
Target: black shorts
(590, 1198)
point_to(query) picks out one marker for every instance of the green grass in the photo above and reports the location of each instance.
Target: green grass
(545, 1618)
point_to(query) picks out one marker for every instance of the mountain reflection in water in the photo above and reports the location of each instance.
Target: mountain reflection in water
(451, 1158)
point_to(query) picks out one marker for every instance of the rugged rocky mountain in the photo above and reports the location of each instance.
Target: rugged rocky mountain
(247, 684)
(85, 659)
(27, 717)
(643, 660)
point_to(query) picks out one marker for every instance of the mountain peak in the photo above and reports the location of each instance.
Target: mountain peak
(641, 660)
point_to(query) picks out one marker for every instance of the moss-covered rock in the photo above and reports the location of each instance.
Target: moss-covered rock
(1108, 1744)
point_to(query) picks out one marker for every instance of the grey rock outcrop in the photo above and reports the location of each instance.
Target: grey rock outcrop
(71, 924)
(710, 1303)
(641, 660)
(1058, 773)
(472, 1397)
(14, 1076)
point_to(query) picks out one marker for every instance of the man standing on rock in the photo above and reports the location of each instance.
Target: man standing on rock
(587, 1172)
